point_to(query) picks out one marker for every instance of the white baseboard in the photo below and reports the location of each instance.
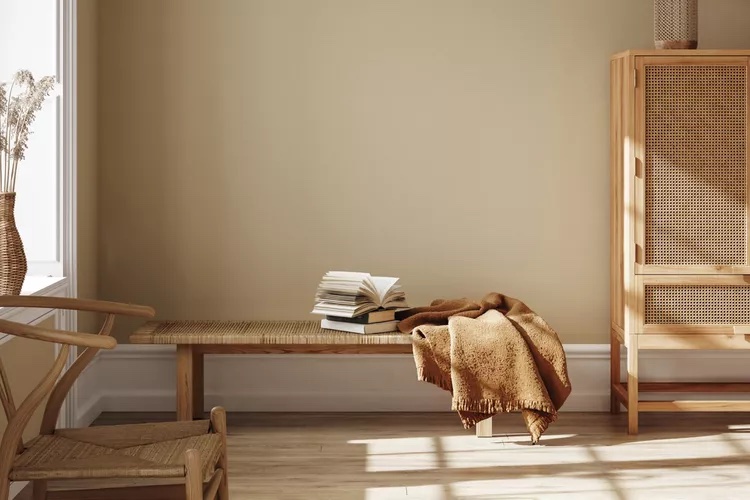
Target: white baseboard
(15, 488)
(142, 378)
(89, 394)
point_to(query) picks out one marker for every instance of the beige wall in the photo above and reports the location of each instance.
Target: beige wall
(26, 363)
(87, 157)
(247, 146)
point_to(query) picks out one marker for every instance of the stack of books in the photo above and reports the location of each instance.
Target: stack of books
(359, 303)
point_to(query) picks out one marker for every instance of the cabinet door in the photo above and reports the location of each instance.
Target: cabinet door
(691, 206)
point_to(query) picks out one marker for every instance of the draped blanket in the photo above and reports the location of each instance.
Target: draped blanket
(493, 356)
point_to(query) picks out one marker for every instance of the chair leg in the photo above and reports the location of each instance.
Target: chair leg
(193, 475)
(4, 487)
(40, 490)
(219, 424)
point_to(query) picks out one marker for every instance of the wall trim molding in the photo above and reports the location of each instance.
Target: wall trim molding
(141, 378)
(69, 179)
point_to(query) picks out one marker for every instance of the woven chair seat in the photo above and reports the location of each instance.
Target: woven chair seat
(118, 451)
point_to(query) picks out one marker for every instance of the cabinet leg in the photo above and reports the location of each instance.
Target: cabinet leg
(614, 372)
(632, 384)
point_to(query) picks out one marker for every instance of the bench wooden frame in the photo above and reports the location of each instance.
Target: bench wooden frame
(195, 339)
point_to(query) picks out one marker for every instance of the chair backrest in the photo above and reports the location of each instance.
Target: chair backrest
(53, 384)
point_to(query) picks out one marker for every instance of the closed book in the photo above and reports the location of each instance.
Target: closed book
(372, 317)
(343, 326)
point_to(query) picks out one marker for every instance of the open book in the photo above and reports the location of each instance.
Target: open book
(349, 294)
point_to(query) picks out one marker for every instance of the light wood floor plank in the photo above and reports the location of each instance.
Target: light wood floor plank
(430, 456)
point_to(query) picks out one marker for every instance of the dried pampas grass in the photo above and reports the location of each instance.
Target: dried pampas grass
(17, 112)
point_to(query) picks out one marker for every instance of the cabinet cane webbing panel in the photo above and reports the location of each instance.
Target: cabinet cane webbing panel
(255, 332)
(697, 304)
(695, 164)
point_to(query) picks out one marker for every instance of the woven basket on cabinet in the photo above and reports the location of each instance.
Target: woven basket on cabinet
(12, 257)
(676, 24)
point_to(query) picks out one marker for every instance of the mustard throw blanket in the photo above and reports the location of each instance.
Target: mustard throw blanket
(493, 356)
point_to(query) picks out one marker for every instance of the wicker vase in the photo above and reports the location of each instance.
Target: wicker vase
(12, 256)
(676, 24)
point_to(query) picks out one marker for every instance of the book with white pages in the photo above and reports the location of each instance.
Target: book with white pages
(343, 326)
(350, 294)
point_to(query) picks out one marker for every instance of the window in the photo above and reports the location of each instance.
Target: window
(31, 38)
(40, 35)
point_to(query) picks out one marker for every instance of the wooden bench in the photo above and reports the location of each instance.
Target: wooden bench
(196, 338)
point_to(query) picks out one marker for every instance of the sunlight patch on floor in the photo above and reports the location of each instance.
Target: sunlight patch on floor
(454, 452)
(386, 493)
(563, 466)
(574, 487)
(395, 445)
(678, 448)
(518, 489)
(687, 478)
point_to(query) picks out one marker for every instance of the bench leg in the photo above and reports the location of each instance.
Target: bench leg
(185, 382)
(484, 428)
(198, 407)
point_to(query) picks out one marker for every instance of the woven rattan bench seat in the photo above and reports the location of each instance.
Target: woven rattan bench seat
(256, 333)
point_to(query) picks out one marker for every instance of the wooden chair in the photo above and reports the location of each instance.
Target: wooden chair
(194, 452)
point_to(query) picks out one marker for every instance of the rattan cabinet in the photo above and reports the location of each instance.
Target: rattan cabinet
(680, 262)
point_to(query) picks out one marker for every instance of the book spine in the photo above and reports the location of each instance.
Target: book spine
(401, 314)
(359, 320)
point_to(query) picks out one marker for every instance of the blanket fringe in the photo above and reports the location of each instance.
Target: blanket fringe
(438, 380)
(493, 406)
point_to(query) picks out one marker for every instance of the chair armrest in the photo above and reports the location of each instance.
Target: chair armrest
(57, 336)
(77, 305)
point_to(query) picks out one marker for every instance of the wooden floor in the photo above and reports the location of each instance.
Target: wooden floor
(430, 456)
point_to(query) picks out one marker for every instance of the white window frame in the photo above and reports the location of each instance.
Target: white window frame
(68, 27)
(65, 285)
(63, 265)
(65, 269)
